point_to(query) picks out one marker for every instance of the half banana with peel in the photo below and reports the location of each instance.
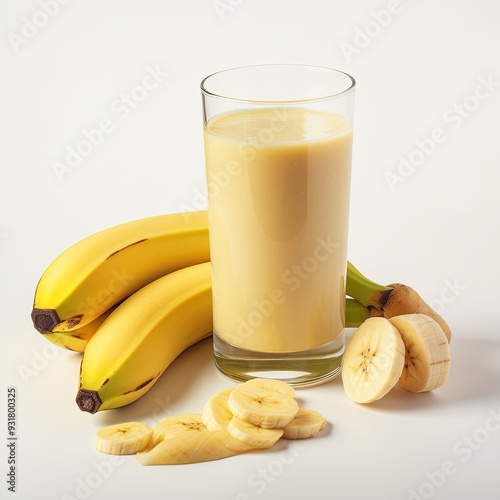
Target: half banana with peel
(103, 269)
(185, 438)
(388, 301)
(143, 336)
(410, 351)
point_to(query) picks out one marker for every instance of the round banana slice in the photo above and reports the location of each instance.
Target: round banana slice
(373, 361)
(306, 424)
(124, 439)
(262, 407)
(427, 360)
(216, 413)
(253, 435)
(271, 385)
(178, 424)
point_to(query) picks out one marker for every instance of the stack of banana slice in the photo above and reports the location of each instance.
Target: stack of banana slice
(251, 416)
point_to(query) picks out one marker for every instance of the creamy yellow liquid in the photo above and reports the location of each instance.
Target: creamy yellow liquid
(278, 182)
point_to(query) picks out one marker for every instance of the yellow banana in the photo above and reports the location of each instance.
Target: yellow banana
(142, 337)
(105, 268)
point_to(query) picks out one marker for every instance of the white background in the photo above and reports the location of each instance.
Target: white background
(420, 74)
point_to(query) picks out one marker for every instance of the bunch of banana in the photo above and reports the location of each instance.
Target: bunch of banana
(100, 271)
(133, 297)
(251, 416)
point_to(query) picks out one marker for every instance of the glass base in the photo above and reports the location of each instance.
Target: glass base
(299, 369)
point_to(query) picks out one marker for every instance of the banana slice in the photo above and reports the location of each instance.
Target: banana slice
(271, 385)
(373, 361)
(253, 435)
(427, 361)
(124, 439)
(178, 424)
(262, 407)
(306, 424)
(190, 447)
(216, 413)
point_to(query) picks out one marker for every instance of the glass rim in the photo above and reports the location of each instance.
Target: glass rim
(350, 88)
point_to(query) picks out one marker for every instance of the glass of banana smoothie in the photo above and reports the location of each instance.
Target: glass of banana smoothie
(278, 141)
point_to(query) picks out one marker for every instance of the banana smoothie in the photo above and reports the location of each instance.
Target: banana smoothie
(278, 216)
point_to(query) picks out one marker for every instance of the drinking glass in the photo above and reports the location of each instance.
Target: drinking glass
(278, 143)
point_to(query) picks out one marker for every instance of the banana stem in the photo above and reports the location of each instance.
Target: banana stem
(366, 292)
(388, 301)
(355, 313)
(88, 400)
